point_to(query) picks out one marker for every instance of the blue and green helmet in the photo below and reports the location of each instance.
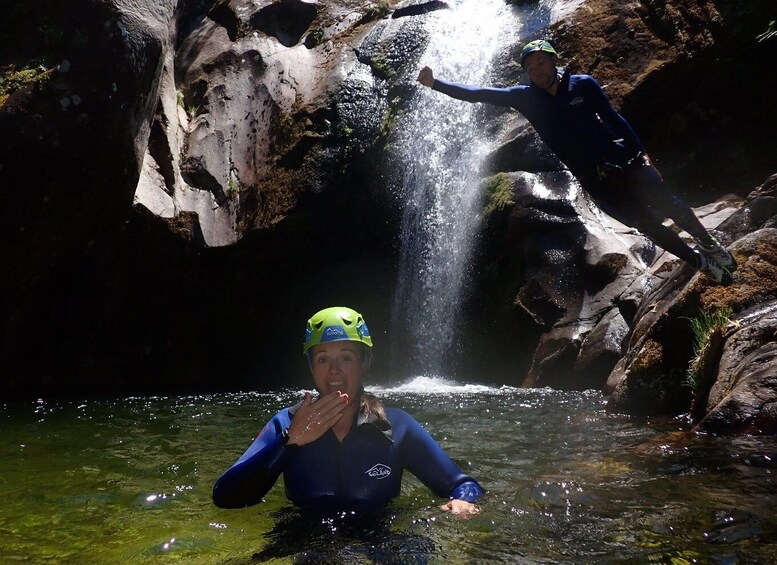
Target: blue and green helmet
(338, 323)
(537, 45)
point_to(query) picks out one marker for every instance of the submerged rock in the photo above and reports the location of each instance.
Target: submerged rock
(731, 526)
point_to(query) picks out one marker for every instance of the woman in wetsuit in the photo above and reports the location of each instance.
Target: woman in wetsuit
(344, 449)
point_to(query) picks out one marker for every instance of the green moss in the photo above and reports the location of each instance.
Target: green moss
(379, 9)
(233, 189)
(314, 38)
(390, 117)
(498, 194)
(381, 67)
(31, 73)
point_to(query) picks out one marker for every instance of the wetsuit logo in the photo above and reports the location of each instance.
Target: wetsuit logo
(379, 471)
(577, 101)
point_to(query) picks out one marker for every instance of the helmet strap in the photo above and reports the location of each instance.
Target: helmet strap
(366, 357)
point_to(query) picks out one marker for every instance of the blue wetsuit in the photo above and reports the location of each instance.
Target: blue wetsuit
(581, 127)
(364, 470)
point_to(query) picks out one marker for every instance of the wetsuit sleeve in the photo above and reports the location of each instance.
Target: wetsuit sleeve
(425, 458)
(610, 117)
(497, 96)
(249, 479)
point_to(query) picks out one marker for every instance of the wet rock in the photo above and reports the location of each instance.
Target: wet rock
(600, 351)
(391, 47)
(731, 526)
(572, 274)
(748, 332)
(742, 391)
(523, 151)
(652, 376)
(759, 208)
(750, 406)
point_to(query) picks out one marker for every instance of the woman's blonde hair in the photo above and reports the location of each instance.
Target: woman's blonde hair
(371, 405)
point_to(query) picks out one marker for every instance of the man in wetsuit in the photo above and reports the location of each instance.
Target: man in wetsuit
(574, 118)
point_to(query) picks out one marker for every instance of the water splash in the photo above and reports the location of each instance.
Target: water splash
(439, 385)
(443, 149)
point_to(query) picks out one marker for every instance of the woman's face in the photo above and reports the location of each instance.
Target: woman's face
(338, 365)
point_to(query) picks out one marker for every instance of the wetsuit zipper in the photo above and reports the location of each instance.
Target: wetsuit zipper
(339, 467)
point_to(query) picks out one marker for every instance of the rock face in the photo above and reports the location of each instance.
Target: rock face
(247, 133)
(73, 142)
(734, 390)
(560, 236)
(71, 149)
(248, 111)
(183, 183)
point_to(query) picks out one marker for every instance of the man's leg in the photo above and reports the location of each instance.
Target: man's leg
(653, 193)
(651, 226)
(625, 205)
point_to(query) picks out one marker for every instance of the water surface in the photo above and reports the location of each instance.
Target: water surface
(129, 481)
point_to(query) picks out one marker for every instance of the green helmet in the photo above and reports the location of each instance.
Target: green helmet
(336, 324)
(537, 45)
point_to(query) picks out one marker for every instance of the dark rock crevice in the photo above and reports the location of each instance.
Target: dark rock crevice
(286, 20)
(224, 15)
(419, 9)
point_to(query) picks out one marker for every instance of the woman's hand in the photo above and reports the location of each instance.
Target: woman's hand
(426, 77)
(313, 419)
(460, 507)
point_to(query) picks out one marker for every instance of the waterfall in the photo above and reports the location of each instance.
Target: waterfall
(442, 151)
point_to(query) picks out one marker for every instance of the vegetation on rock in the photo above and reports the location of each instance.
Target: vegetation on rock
(709, 329)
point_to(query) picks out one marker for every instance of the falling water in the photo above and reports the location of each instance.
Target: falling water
(443, 151)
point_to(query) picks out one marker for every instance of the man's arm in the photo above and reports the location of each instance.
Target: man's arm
(497, 96)
(609, 116)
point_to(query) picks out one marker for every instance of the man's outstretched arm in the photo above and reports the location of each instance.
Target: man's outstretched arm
(497, 96)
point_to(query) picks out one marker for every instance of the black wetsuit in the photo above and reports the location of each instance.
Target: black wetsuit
(601, 149)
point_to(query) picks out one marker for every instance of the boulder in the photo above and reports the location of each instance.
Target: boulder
(743, 398)
(574, 265)
(652, 377)
(72, 143)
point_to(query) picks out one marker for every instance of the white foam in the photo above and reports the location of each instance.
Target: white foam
(425, 384)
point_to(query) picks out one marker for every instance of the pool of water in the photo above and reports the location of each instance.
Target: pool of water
(129, 481)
